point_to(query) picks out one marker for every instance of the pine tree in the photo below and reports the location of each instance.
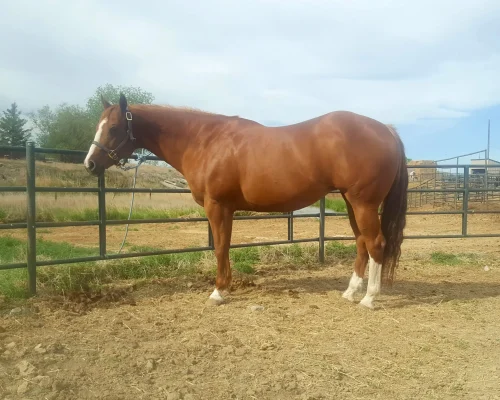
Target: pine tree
(12, 130)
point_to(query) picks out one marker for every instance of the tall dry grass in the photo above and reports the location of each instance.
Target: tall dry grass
(51, 207)
(79, 207)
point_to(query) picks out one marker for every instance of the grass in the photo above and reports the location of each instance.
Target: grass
(445, 258)
(13, 282)
(337, 205)
(65, 208)
(89, 277)
(442, 258)
(55, 214)
(14, 250)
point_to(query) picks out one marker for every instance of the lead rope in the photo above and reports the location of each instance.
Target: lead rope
(140, 160)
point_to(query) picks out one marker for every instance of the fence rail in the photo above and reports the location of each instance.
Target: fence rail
(31, 224)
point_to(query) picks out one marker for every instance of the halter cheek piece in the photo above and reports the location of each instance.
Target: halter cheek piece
(113, 153)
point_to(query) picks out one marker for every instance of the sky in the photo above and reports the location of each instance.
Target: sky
(430, 67)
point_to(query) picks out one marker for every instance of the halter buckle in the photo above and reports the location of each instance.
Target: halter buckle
(128, 115)
(112, 154)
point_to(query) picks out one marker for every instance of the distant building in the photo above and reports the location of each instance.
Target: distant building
(478, 166)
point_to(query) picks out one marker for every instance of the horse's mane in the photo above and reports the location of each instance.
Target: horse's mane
(186, 109)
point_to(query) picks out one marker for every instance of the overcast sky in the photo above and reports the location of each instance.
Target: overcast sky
(430, 67)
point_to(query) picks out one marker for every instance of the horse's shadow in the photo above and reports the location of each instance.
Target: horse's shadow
(404, 292)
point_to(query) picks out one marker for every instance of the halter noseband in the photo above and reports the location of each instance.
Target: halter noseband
(113, 153)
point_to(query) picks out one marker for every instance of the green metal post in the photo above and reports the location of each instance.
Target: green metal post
(322, 207)
(290, 226)
(102, 215)
(31, 216)
(465, 209)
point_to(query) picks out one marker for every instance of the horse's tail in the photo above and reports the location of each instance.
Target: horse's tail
(393, 219)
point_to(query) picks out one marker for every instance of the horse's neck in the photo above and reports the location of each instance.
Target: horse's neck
(163, 131)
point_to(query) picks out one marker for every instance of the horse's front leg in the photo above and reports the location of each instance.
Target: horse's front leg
(221, 222)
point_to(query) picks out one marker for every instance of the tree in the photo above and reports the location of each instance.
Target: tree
(12, 130)
(73, 127)
(43, 119)
(67, 127)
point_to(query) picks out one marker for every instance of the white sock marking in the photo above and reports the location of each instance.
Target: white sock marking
(373, 287)
(355, 285)
(96, 139)
(216, 296)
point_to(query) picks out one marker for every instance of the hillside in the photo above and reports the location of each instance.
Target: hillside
(13, 173)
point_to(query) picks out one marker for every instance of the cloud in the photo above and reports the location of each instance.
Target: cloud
(269, 60)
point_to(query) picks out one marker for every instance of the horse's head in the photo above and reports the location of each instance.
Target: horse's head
(114, 139)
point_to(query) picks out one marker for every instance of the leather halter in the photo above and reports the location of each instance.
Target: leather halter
(113, 153)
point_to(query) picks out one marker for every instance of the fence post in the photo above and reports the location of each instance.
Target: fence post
(465, 209)
(31, 216)
(102, 214)
(322, 207)
(290, 226)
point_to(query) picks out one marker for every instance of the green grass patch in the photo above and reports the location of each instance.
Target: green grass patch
(442, 258)
(91, 276)
(445, 258)
(55, 214)
(13, 250)
(245, 267)
(337, 205)
(244, 259)
(340, 251)
(14, 283)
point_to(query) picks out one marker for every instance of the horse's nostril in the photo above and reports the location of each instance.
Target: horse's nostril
(91, 165)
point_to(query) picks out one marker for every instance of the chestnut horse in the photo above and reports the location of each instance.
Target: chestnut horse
(231, 164)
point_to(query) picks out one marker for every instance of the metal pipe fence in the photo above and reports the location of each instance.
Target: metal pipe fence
(102, 222)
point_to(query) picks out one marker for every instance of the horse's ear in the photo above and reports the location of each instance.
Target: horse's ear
(105, 103)
(123, 103)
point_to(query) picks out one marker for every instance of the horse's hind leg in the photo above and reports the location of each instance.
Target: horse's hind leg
(356, 282)
(370, 229)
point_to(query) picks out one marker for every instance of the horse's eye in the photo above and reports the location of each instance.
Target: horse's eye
(112, 130)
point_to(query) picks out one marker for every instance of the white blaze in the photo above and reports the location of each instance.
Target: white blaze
(96, 139)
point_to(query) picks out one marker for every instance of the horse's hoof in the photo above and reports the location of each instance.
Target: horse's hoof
(214, 302)
(367, 303)
(215, 299)
(349, 295)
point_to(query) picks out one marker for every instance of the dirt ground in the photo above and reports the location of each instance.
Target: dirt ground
(434, 335)
(284, 334)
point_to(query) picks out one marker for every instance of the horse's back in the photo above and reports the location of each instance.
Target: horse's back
(340, 140)
(286, 167)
